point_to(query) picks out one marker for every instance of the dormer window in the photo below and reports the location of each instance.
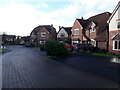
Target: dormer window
(92, 27)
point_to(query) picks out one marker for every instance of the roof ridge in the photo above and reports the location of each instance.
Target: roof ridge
(100, 14)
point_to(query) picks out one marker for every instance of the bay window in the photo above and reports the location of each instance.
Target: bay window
(116, 45)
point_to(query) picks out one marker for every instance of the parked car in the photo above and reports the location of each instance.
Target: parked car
(77, 47)
(83, 47)
(69, 47)
(28, 44)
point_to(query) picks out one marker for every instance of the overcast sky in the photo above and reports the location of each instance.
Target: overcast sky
(20, 17)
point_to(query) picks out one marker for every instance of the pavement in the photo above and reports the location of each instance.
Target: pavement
(24, 68)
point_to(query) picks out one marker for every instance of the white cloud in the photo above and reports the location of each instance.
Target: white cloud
(20, 18)
(44, 5)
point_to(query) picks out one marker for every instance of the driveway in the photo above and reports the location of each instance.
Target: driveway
(24, 68)
(107, 67)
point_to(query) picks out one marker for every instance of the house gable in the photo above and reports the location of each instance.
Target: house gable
(114, 12)
(114, 19)
(43, 30)
(77, 26)
(62, 32)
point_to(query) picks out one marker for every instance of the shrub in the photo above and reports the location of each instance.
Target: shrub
(56, 49)
(42, 47)
(87, 47)
(103, 51)
(94, 49)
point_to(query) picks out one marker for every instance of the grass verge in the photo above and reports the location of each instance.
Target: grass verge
(106, 55)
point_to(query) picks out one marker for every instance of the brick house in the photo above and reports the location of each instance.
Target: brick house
(64, 34)
(24, 39)
(42, 33)
(78, 31)
(8, 39)
(114, 31)
(97, 30)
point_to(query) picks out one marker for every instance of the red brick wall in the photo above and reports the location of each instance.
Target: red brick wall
(39, 34)
(76, 26)
(102, 45)
(88, 33)
(49, 35)
(92, 35)
(53, 35)
(111, 34)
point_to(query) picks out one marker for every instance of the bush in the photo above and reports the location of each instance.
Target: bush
(43, 48)
(88, 47)
(56, 49)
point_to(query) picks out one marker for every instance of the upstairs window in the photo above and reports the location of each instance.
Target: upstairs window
(92, 27)
(118, 25)
(33, 34)
(62, 35)
(76, 31)
(43, 34)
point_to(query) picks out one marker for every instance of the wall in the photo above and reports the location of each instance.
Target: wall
(113, 30)
(62, 31)
(113, 22)
(76, 25)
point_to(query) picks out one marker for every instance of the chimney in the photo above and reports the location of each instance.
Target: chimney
(51, 25)
(82, 18)
(59, 27)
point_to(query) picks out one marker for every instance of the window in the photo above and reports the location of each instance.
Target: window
(118, 25)
(62, 35)
(42, 42)
(43, 34)
(116, 45)
(92, 28)
(32, 34)
(76, 31)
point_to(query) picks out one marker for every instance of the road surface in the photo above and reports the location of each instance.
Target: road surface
(24, 68)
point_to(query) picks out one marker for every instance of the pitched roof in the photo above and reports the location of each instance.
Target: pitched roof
(83, 22)
(116, 37)
(68, 29)
(114, 11)
(100, 20)
(47, 27)
(103, 35)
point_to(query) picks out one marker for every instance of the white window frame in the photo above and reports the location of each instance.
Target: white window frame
(94, 42)
(92, 27)
(42, 34)
(117, 45)
(75, 31)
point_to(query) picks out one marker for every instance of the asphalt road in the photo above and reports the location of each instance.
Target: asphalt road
(24, 68)
(107, 67)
